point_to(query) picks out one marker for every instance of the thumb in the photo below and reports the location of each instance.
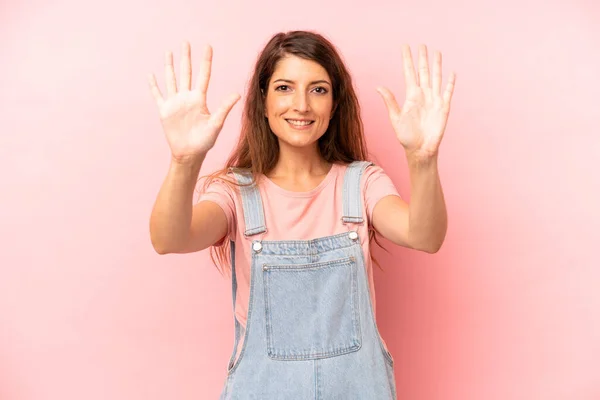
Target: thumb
(218, 118)
(389, 99)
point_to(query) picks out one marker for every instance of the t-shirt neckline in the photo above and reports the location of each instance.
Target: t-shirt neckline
(273, 186)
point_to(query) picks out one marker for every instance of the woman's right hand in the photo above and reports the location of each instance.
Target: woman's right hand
(190, 128)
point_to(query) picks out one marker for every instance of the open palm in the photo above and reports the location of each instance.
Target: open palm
(420, 123)
(191, 130)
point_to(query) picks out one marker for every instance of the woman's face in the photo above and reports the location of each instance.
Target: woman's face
(299, 101)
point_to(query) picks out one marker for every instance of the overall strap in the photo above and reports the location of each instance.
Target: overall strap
(237, 325)
(254, 217)
(351, 195)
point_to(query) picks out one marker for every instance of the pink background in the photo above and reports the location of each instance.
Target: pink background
(508, 309)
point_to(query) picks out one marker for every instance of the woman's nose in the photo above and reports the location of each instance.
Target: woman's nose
(301, 102)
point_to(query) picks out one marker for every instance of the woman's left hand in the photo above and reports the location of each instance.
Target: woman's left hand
(421, 122)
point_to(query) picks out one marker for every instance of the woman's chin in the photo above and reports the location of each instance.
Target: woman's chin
(298, 140)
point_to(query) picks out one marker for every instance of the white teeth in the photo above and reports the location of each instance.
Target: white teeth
(299, 123)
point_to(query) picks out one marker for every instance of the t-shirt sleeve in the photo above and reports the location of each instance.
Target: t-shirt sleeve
(221, 193)
(377, 185)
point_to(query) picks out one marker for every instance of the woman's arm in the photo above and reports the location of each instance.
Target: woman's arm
(419, 126)
(422, 224)
(176, 225)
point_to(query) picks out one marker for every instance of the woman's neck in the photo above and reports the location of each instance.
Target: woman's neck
(299, 164)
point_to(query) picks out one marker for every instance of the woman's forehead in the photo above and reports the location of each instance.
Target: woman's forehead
(299, 70)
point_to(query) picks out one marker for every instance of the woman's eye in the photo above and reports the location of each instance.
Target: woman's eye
(284, 88)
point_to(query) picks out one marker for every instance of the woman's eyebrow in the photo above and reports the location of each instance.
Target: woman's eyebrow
(312, 83)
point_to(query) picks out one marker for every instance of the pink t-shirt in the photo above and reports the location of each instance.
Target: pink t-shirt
(296, 216)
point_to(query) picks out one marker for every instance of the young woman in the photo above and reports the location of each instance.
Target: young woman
(293, 212)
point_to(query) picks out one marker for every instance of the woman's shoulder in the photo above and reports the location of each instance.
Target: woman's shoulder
(370, 169)
(223, 181)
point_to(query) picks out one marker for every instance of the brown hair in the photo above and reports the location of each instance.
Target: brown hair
(258, 148)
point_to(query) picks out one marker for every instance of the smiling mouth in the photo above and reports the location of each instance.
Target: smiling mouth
(299, 124)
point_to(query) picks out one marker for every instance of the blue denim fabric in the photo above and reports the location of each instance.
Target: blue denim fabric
(311, 332)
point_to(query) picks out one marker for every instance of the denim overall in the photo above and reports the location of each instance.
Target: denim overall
(311, 332)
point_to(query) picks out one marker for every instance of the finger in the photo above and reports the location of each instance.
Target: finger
(205, 70)
(449, 89)
(437, 74)
(218, 118)
(390, 100)
(409, 69)
(185, 67)
(423, 67)
(155, 90)
(170, 81)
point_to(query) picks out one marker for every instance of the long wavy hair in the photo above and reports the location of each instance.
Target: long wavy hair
(258, 148)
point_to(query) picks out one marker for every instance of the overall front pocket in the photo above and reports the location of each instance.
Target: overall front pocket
(311, 310)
